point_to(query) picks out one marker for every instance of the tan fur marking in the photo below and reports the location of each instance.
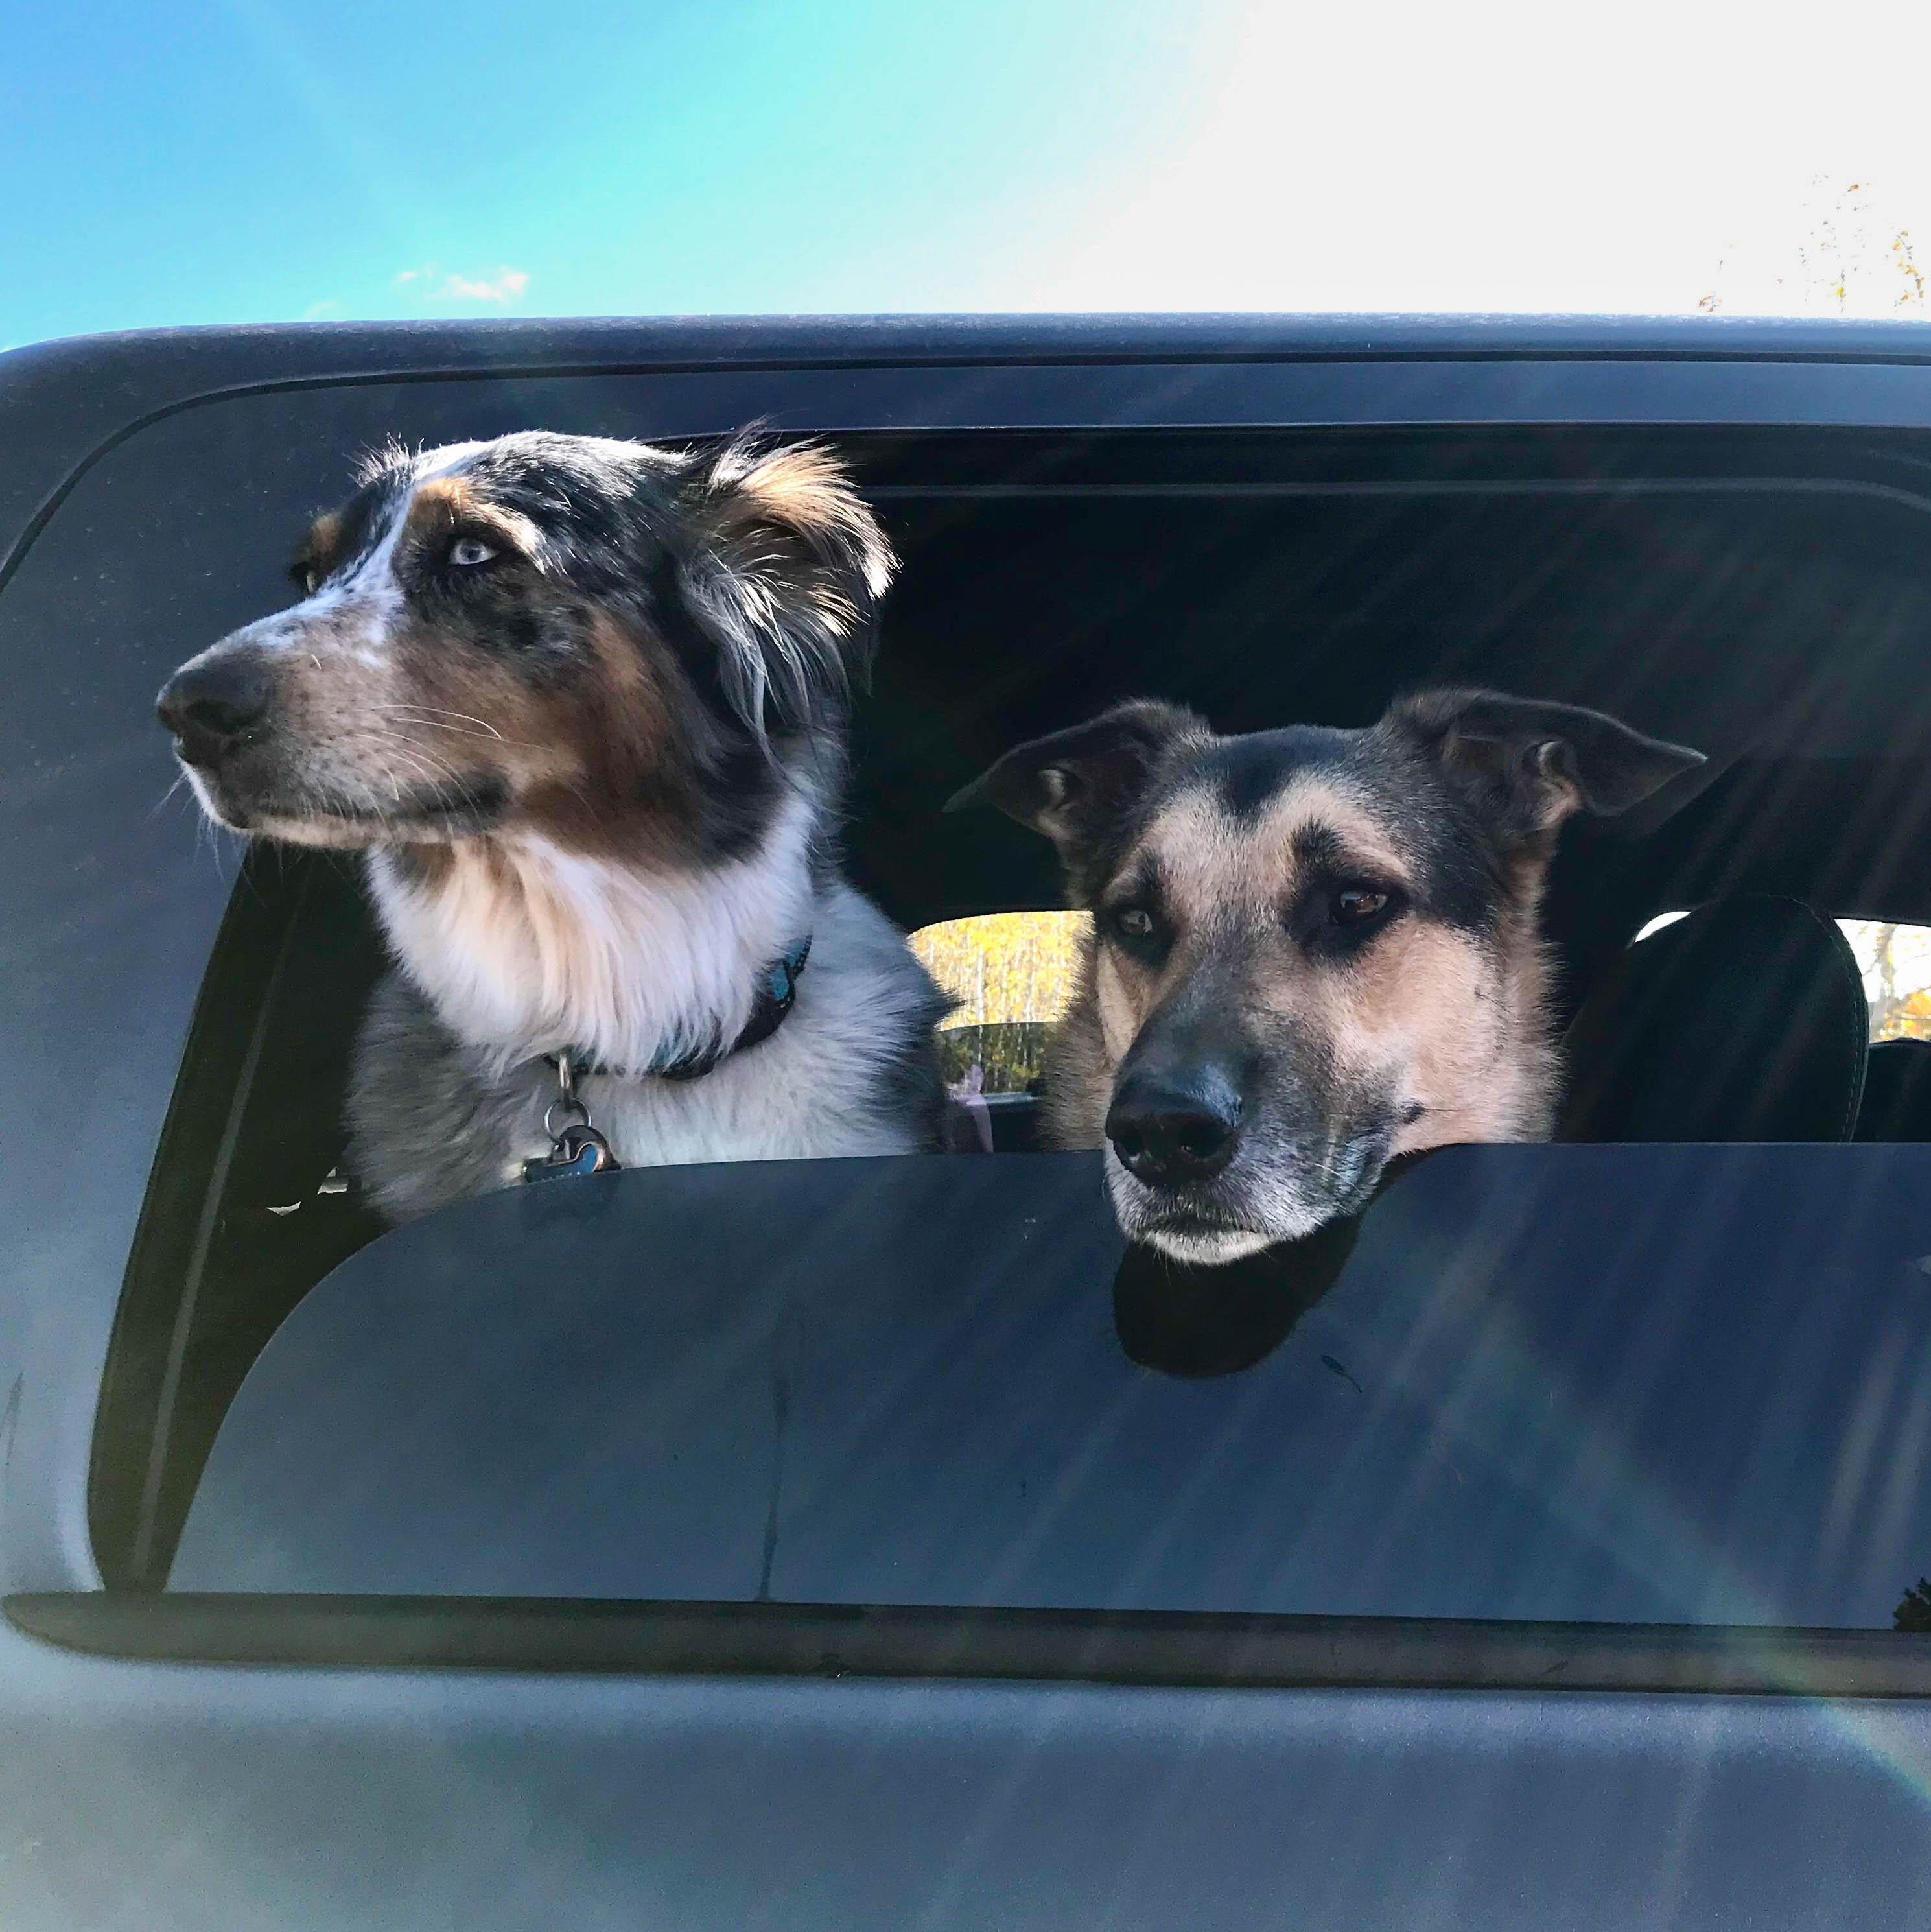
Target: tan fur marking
(321, 545)
(802, 485)
(619, 786)
(1451, 1023)
(1212, 863)
(446, 503)
(801, 492)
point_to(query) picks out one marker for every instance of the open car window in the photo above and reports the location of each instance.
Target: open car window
(1593, 1380)
(1010, 975)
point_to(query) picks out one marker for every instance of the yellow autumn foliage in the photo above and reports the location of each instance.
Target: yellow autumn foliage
(1003, 967)
(1012, 973)
(1896, 962)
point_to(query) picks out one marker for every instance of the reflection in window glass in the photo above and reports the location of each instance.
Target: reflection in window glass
(1012, 974)
(1895, 960)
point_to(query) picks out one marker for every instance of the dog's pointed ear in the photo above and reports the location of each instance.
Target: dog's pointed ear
(1075, 783)
(1532, 764)
(782, 566)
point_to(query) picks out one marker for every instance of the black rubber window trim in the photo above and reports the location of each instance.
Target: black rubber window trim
(821, 1640)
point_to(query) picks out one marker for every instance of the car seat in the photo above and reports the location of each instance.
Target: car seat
(1744, 1020)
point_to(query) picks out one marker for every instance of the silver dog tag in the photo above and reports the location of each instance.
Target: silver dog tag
(579, 1149)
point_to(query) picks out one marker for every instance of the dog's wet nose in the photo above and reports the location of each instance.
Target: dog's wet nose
(1169, 1130)
(210, 706)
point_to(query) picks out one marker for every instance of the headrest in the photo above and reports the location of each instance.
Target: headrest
(1745, 1021)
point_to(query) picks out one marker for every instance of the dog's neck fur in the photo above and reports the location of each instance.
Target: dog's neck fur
(523, 947)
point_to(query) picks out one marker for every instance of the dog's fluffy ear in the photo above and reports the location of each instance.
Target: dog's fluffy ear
(1531, 764)
(782, 566)
(1076, 785)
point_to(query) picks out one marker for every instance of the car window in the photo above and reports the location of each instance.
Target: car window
(1043, 576)
(1566, 1384)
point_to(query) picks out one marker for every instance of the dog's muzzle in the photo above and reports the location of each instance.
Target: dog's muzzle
(1204, 1178)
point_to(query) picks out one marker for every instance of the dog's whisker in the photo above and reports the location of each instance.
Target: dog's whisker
(462, 731)
(427, 718)
(418, 767)
(426, 760)
(428, 711)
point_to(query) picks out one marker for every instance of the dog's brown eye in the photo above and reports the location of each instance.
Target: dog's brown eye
(1133, 922)
(1353, 904)
(467, 552)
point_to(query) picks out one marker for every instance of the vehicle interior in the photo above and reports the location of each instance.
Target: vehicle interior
(1764, 596)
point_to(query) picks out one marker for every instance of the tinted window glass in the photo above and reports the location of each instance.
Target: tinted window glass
(1260, 578)
(1648, 1385)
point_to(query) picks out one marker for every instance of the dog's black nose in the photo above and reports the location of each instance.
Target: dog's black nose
(1169, 1129)
(209, 706)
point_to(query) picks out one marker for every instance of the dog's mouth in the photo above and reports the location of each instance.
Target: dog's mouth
(309, 812)
(1264, 1197)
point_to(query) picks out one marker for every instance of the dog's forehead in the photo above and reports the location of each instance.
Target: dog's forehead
(536, 456)
(580, 486)
(1248, 816)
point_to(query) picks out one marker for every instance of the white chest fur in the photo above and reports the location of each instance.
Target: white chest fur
(522, 947)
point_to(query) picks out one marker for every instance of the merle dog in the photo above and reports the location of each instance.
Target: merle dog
(582, 705)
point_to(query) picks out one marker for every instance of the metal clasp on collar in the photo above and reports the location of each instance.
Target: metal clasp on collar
(576, 1147)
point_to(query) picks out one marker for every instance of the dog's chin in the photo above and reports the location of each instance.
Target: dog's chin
(1239, 1214)
(1206, 1247)
(342, 821)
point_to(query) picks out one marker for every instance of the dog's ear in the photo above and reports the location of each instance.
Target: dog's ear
(1076, 785)
(1531, 764)
(782, 566)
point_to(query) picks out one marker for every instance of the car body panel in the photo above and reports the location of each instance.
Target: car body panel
(137, 477)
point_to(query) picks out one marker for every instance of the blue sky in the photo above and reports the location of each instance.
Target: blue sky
(167, 161)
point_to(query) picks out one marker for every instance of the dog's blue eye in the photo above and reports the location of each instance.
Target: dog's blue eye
(465, 552)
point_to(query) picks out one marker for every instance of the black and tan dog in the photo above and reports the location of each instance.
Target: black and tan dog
(1312, 950)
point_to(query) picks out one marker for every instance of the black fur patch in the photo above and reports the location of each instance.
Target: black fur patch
(1248, 773)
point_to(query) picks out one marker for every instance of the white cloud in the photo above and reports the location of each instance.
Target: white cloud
(316, 310)
(439, 284)
(506, 286)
